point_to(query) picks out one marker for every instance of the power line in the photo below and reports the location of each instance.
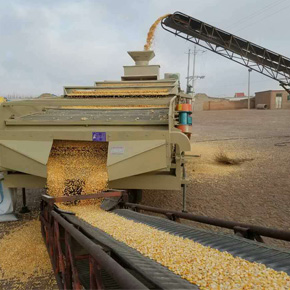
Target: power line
(242, 83)
(263, 18)
(256, 13)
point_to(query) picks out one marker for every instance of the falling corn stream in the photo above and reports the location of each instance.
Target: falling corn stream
(151, 33)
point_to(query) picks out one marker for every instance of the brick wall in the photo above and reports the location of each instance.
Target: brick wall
(285, 102)
(269, 98)
(264, 98)
(227, 105)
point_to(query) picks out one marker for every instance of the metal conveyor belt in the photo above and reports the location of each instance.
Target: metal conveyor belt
(151, 273)
(251, 55)
(274, 258)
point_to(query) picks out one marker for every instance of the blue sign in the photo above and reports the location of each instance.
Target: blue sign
(99, 136)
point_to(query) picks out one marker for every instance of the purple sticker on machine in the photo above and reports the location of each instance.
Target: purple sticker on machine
(99, 136)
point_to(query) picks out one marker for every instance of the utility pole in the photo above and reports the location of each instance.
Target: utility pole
(193, 70)
(249, 91)
(188, 66)
(190, 88)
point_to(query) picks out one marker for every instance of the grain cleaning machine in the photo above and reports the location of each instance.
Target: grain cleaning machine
(145, 120)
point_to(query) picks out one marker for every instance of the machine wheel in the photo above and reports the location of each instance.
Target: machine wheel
(135, 195)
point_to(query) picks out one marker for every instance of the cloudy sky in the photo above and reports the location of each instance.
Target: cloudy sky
(45, 45)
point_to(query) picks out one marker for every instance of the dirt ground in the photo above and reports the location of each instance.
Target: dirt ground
(257, 191)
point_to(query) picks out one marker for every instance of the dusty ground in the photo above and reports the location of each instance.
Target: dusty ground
(257, 191)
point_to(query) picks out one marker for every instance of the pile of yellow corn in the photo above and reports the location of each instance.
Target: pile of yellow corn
(2, 100)
(206, 267)
(24, 257)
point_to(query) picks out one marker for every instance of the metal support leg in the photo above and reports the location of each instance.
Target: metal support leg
(24, 208)
(184, 191)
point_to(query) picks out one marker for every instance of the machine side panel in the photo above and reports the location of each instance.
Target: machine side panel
(181, 140)
(15, 161)
(147, 181)
(121, 150)
(24, 181)
(146, 161)
(38, 151)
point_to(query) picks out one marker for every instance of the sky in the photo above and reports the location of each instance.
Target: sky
(46, 45)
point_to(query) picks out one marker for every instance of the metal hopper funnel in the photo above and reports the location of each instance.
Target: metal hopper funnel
(142, 57)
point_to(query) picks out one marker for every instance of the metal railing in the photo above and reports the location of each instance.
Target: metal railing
(248, 231)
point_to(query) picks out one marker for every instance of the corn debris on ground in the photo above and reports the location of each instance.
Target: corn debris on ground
(205, 168)
(76, 168)
(206, 267)
(24, 257)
